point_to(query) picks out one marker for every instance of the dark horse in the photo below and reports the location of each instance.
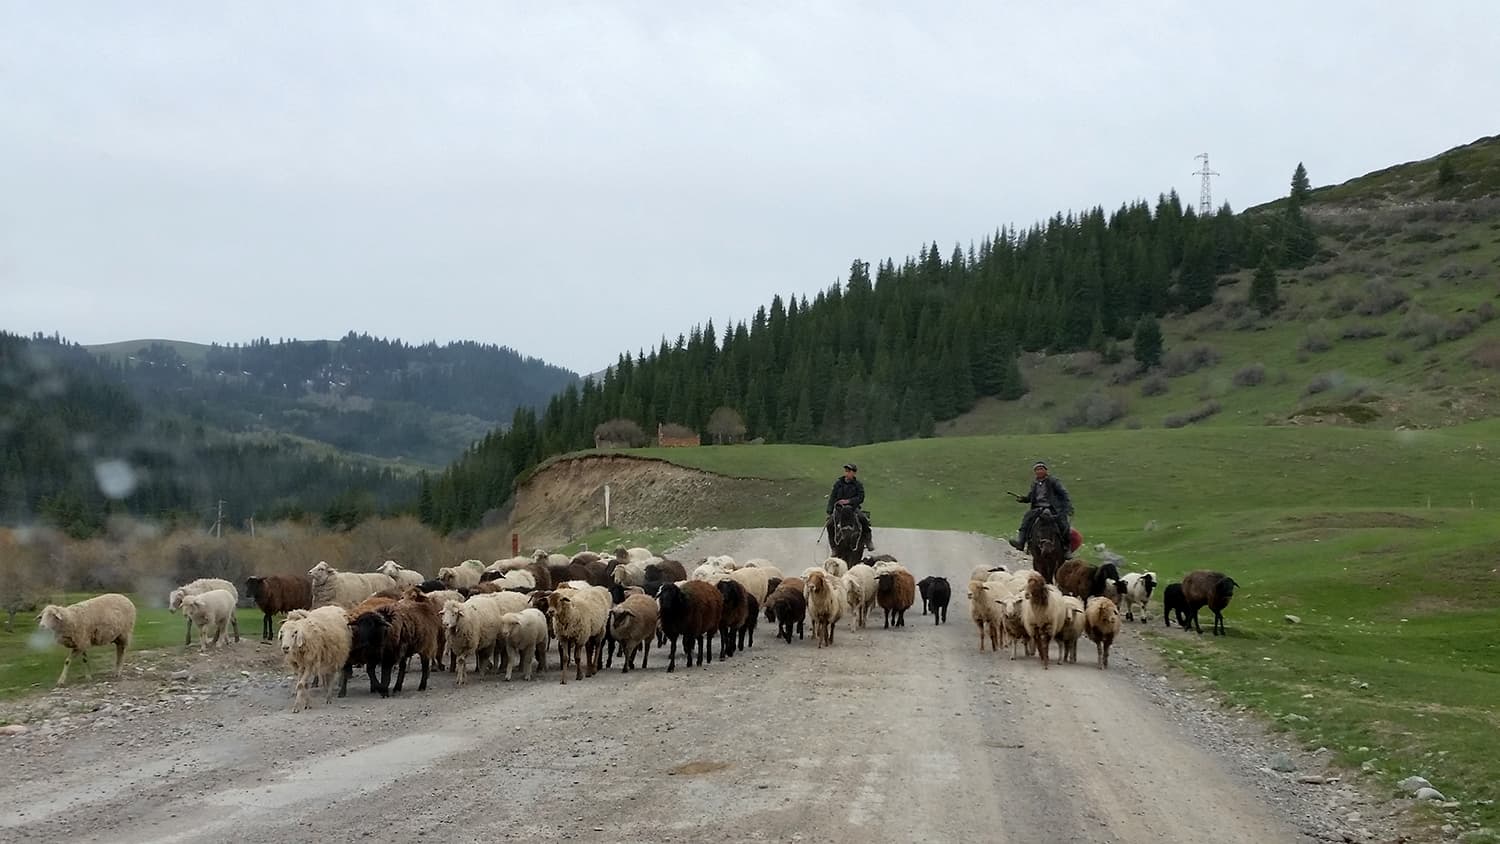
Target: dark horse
(845, 534)
(1047, 545)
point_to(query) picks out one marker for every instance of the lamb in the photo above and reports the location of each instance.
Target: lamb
(825, 604)
(344, 589)
(836, 566)
(106, 619)
(394, 634)
(985, 610)
(1173, 603)
(471, 629)
(1138, 589)
(212, 612)
(1211, 588)
(1043, 614)
(276, 594)
(524, 634)
(756, 579)
(1075, 577)
(198, 587)
(494, 657)
(459, 577)
(689, 610)
(315, 644)
(633, 624)
(937, 595)
(896, 592)
(1015, 628)
(579, 617)
(865, 576)
(732, 614)
(401, 575)
(788, 608)
(1101, 623)
(854, 596)
(1073, 622)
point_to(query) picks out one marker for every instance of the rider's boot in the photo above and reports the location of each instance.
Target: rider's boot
(1016, 542)
(869, 540)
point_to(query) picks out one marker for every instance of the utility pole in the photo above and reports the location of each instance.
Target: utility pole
(1205, 193)
(218, 528)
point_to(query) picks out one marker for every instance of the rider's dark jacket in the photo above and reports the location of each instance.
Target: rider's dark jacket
(850, 489)
(1049, 492)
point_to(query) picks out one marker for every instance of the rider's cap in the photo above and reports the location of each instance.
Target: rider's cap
(851, 467)
(1039, 465)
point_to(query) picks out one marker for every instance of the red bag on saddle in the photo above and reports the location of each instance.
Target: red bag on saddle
(1075, 539)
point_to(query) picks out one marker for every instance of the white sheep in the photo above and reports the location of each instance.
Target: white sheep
(509, 564)
(633, 572)
(1072, 629)
(524, 635)
(1043, 615)
(516, 579)
(472, 628)
(1138, 588)
(835, 566)
(212, 612)
(854, 597)
(1015, 627)
(106, 619)
(459, 577)
(198, 587)
(551, 560)
(756, 579)
(825, 603)
(579, 618)
(1101, 623)
(331, 587)
(986, 612)
(866, 578)
(400, 574)
(316, 646)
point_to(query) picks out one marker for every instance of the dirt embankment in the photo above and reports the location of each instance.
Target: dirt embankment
(565, 499)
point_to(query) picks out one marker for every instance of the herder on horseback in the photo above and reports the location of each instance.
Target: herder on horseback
(848, 491)
(1047, 493)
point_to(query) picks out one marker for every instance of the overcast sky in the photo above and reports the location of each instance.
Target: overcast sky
(574, 179)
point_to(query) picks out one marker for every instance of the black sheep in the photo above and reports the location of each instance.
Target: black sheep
(938, 594)
(1174, 602)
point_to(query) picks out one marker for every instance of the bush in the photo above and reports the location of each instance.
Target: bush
(1197, 414)
(1094, 410)
(1133, 424)
(1485, 311)
(1180, 362)
(623, 431)
(1321, 384)
(1380, 297)
(1155, 385)
(1361, 331)
(1486, 354)
(1425, 327)
(1395, 355)
(1081, 364)
(1250, 376)
(1315, 340)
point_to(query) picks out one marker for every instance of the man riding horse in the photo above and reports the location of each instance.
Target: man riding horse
(848, 491)
(1047, 493)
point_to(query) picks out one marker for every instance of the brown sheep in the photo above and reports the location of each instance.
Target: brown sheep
(276, 594)
(1083, 581)
(895, 591)
(1207, 588)
(690, 611)
(391, 635)
(732, 615)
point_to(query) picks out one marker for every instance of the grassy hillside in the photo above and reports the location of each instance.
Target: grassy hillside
(1383, 543)
(124, 351)
(1392, 327)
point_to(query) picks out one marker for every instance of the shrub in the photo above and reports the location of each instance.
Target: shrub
(1250, 376)
(1197, 414)
(1133, 424)
(1485, 311)
(1486, 354)
(1191, 359)
(1315, 340)
(1321, 384)
(1395, 355)
(1343, 304)
(1361, 331)
(1460, 326)
(623, 431)
(1094, 410)
(1081, 364)
(1155, 385)
(1448, 271)
(1126, 373)
(1380, 297)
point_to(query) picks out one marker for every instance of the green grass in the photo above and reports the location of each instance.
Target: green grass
(1384, 543)
(30, 660)
(606, 540)
(193, 353)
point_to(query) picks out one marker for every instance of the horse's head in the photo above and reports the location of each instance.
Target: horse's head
(846, 527)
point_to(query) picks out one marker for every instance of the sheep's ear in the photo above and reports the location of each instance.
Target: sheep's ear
(298, 638)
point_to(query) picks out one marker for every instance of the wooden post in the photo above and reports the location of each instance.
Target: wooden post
(606, 505)
(515, 544)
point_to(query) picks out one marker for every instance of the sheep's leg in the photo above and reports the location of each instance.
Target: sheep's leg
(397, 664)
(645, 652)
(234, 624)
(189, 639)
(1196, 626)
(299, 696)
(344, 679)
(672, 656)
(426, 666)
(265, 627)
(63, 677)
(376, 687)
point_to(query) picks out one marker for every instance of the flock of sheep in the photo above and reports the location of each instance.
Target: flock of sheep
(504, 616)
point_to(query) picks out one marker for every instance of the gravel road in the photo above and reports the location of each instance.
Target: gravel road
(890, 735)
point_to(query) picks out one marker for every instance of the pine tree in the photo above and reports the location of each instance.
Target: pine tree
(1446, 173)
(1301, 187)
(856, 412)
(1299, 243)
(1148, 342)
(1263, 292)
(801, 428)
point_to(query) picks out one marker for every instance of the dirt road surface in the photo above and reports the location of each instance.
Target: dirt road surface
(890, 735)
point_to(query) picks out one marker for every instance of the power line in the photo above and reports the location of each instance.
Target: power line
(1205, 193)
